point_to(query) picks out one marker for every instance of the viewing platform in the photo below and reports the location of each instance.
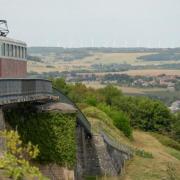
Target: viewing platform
(23, 90)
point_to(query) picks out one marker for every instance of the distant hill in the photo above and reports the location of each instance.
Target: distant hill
(47, 50)
(163, 56)
(70, 54)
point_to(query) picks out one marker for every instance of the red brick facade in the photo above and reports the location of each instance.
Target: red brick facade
(11, 68)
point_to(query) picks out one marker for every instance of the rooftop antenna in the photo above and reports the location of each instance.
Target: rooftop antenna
(3, 28)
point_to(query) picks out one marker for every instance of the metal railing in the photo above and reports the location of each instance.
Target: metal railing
(18, 89)
(120, 147)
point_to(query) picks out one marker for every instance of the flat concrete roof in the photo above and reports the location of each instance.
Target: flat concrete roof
(13, 41)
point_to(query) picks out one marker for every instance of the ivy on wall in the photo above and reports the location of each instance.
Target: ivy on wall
(53, 132)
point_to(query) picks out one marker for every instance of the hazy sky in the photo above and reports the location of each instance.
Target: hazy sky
(94, 22)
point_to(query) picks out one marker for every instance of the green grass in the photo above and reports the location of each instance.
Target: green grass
(100, 121)
(142, 153)
(173, 152)
(151, 157)
(166, 141)
(93, 112)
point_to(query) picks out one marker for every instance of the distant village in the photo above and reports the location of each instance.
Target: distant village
(172, 83)
(169, 82)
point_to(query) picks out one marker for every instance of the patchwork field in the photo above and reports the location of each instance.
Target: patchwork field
(51, 63)
(109, 58)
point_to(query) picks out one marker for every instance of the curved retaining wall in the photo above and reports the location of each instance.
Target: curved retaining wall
(97, 154)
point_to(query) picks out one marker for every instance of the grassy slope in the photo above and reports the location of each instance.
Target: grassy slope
(139, 168)
(152, 169)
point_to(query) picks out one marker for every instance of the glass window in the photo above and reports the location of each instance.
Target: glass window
(25, 53)
(17, 51)
(6, 49)
(23, 50)
(3, 49)
(14, 51)
(22, 53)
(10, 50)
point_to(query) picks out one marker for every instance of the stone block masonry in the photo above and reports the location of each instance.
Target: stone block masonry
(99, 156)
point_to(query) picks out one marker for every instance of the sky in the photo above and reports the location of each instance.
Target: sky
(94, 23)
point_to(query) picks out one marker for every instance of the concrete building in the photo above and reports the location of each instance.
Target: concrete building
(13, 62)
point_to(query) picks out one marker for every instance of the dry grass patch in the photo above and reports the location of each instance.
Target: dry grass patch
(151, 169)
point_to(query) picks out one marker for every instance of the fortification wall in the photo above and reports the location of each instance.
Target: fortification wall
(98, 156)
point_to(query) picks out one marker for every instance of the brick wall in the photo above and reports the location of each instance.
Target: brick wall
(10, 68)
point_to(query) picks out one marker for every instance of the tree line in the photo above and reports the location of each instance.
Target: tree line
(127, 112)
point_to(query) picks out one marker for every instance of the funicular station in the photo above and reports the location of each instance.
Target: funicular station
(15, 86)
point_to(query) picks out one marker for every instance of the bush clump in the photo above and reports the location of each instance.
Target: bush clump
(120, 119)
(15, 161)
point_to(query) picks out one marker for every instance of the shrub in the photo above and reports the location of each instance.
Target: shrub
(145, 113)
(120, 119)
(91, 100)
(143, 153)
(110, 92)
(167, 141)
(122, 122)
(176, 128)
(60, 84)
(15, 162)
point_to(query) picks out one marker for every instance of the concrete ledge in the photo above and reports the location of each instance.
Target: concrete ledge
(18, 99)
(57, 106)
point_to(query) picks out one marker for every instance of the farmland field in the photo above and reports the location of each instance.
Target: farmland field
(52, 63)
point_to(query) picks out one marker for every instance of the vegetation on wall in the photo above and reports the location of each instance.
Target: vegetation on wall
(54, 133)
